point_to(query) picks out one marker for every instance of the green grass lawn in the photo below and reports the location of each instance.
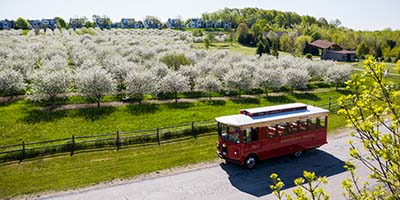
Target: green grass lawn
(390, 66)
(235, 47)
(65, 172)
(26, 121)
(23, 120)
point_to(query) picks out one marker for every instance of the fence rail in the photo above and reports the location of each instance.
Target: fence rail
(113, 139)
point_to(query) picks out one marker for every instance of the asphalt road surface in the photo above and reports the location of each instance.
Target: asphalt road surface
(230, 181)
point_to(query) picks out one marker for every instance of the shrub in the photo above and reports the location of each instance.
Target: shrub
(174, 61)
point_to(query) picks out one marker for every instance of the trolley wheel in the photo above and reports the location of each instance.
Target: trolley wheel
(297, 154)
(251, 162)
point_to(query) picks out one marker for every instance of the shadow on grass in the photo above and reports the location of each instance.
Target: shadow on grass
(279, 99)
(214, 102)
(47, 103)
(307, 96)
(94, 114)
(246, 101)
(344, 92)
(194, 94)
(142, 108)
(39, 115)
(179, 105)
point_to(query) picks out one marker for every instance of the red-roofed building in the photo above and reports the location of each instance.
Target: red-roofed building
(332, 51)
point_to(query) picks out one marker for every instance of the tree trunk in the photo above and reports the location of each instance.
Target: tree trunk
(266, 92)
(337, 87)
(239, 93)
(176, 97)
(209, 96)
(98, 102)
(52, 100)
(292, 89)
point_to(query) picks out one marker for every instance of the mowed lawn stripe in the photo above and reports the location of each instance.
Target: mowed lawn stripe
(21, 120)
(65, 172)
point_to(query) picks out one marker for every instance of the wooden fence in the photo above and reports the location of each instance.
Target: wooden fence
(115, 140)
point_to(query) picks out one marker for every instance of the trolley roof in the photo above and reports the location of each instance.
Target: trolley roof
(271, 115)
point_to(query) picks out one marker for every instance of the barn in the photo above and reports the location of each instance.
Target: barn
(332, 51)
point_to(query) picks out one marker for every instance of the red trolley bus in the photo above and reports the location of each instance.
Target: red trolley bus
(261, 133)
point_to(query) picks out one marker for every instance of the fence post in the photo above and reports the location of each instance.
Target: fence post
(72, 144)
(117, 141)
(193, 133)
(330, 103)
(158, 136)
(23, 151)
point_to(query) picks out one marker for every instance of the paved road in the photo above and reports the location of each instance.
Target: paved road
(229, 181)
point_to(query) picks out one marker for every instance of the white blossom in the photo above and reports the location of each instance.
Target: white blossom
(296, 78)
(270, 78)
(338, 74)
(11, 82)
(191, 73)
(174, 82)
(239, 79)
(138, 84)
(209, 84)
(94, 82)
(47, 84)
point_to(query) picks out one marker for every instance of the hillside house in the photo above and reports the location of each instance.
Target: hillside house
(139, 24)
(5, 25)
(148, 23)
(35, 24)
(116, 25)
(128, 23)
(195, 23)
(332, 51)
(103, 23)
(209, 24)
(218, 24)
(49, 23)
(75, 23)
(227, 25)
(174, 23)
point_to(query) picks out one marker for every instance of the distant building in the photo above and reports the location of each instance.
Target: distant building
(75, 23)
(139, 24)
(209, 24)
(148, 23)
(217, 24)
(227, 25)
(5, 25)
(195, 23)
(103, 23)
(332, 51)
(116, 25)
(174, 23)
(35, 24)
(49, 23)
(128, 23)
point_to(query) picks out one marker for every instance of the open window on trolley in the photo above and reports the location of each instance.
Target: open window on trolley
(267, 132)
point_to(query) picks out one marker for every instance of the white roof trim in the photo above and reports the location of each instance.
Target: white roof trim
(242, 120)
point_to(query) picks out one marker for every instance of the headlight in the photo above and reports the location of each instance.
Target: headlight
(224, 145)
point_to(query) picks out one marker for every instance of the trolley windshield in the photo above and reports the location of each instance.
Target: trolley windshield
(229, 133)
